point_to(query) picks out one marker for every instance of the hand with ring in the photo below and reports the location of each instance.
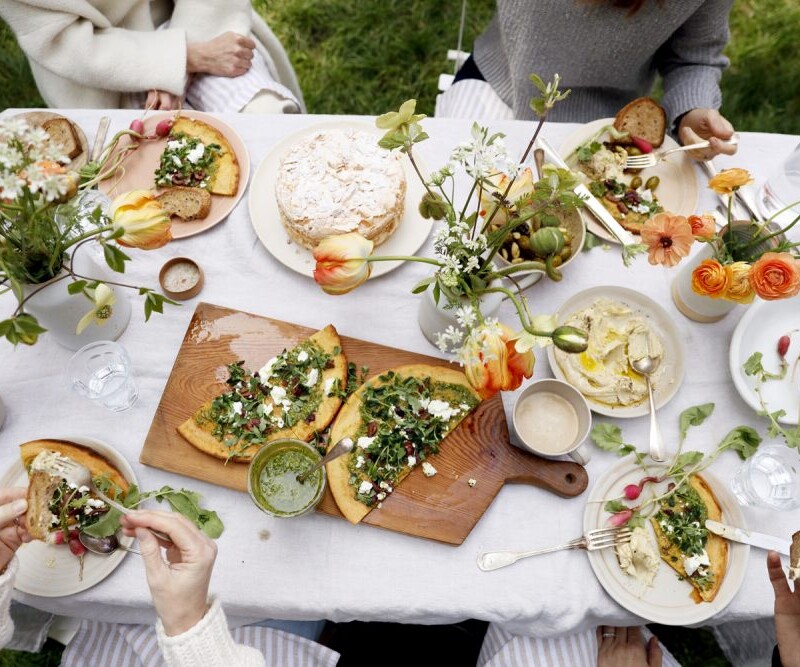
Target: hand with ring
(12, 523)
(624, 647)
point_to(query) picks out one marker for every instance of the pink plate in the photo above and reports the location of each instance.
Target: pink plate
(138, 172)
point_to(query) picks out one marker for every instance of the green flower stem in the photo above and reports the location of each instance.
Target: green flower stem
(416, 168)
(88, 235)
(468, 199)
(522, 310)
(522, 266)
(52, 281)
(402, 258)
(756, 240)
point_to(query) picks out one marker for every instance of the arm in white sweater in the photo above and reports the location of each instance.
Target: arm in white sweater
(72, 39)
(6, 587)
(203, 20)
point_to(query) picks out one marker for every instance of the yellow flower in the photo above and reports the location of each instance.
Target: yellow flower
(104, 298)
(729, 181)
(341, 262)
(709, 278)
(144, 223)
(740, 289)
(491, 360)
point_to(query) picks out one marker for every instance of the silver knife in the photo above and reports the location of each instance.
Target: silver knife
(599, 211)
(740, 209)
(759, 540)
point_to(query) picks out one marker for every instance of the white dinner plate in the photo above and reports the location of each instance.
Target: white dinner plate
(668, 600)
(52, 571)
(677, 190)
(663, 326)
(762, 325)
(409, 236)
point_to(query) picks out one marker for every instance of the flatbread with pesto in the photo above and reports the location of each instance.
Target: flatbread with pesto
(294, 395)
(397, 421)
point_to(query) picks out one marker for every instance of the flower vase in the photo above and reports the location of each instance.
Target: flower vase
(59, 312)
(695, 306)
(434, 318)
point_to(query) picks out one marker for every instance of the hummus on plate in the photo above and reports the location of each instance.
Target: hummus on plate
(639, 558)
(617, 336)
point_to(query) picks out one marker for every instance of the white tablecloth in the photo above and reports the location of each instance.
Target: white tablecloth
(320, 567)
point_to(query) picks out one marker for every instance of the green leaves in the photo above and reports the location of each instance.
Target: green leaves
(694, 416)
(114, 257)
(685, 462)
(744, 440)
(402, 127)
(188, 503)
(549, 94)
(591, 241)
(753, 364)
(433, 206)
(154, 302)
(24, 328)
(608, 437)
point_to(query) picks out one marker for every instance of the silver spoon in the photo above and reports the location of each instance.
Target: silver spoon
(342, 447)
(103, 546)
(646, 366)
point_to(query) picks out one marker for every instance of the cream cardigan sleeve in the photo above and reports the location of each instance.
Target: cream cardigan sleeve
(73, 40)
(6, 588)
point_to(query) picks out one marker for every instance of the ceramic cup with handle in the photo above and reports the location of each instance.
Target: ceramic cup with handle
(552, 419)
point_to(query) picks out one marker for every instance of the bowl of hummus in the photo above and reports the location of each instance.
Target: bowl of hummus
(623, 325)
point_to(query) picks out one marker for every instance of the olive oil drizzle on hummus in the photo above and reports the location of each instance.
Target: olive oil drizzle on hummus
(403, 420)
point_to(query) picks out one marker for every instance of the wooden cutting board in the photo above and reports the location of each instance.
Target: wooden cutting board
(444, 507)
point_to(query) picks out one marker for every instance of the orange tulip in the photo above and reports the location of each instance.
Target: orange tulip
(729, 181)
(668, 238)
(710, 279)
(341, 262)
(491, 361)
(776, 275)
(703, 226)
(739, 289)
(144, 222)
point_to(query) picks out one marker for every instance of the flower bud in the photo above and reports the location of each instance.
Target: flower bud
(432, 206)
(570, 339)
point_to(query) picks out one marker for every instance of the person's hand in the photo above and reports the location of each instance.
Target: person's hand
(159, 99)
(787, 612)
(623, 647)
(700, 124)
(227, 54)
(179, 584)
(12, 527)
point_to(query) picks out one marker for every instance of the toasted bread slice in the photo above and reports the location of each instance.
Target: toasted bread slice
(716, 546)
(348, 422)
(631, 221)
(39, 518)
(225, 180)
(794, 557)
(199, 432)
(62, 133)
(644, 118)
(186, 203)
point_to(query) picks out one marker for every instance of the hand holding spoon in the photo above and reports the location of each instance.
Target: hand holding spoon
(342, 447)
(646, 366)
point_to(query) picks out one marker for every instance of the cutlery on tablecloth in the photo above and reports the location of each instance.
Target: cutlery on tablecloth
(647, 160)
(100, 138)
(599, 538)
(646, 366)
(752, 538)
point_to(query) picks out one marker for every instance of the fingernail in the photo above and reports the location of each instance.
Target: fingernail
(19, 506)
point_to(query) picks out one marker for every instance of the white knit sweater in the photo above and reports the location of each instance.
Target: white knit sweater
(6, 588)
(86, 53)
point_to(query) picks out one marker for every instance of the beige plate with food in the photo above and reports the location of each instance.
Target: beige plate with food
(663, 327)
(409, 236)
(36, 118)
(668, 601)
(677, 191)
(140, 168)
(52, 571)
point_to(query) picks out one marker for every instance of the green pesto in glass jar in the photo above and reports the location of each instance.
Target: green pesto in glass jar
(273, 481)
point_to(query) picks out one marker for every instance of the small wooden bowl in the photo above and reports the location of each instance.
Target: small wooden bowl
(191, 289)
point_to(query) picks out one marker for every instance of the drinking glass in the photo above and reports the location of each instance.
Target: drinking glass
(769, 478)
(101, 371)
(782, 189)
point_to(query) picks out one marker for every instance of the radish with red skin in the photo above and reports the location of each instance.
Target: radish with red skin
(621, 518)
(642, 144)
(164, 126)
(76, 547)
(783, 346)
(137, 126)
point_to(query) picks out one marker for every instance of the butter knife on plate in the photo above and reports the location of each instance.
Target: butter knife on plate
(600, 212)
(759, 540)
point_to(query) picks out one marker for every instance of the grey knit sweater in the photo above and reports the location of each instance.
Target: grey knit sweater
(606, 58)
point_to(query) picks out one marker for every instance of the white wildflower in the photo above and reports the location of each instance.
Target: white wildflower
(466, 316)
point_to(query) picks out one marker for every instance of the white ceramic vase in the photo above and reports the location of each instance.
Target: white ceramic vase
(696, 306)
(434, 318)
(59, 312)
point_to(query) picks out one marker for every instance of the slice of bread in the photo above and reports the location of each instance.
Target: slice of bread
(63, 135)
(794, 557)
(41, 488)
(225, 180)
(186, 203)
(643, 118)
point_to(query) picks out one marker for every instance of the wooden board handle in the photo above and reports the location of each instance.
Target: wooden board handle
(563, 478)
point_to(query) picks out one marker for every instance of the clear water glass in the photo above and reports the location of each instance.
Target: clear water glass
(769, 479)
(102, 372)
(782, 189)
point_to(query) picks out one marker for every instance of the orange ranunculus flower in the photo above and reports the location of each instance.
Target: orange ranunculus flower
(522, 185)
(703, 226)
(729, 181)
(145, 224)
(776, 275)
(341, 262)
(709, 278)
(491, 361)
(739, 289)
(668, 238)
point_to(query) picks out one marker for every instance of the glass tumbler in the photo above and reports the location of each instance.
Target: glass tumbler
(769, 479)
(101, 371)
(782, 190)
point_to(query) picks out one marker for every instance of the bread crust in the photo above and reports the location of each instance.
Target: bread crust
(644, 118)
(185, 202)
(62, 131)
(225, 180)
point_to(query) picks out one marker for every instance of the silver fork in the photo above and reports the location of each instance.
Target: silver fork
(599, 538)
(647, 160)
(79, 475)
